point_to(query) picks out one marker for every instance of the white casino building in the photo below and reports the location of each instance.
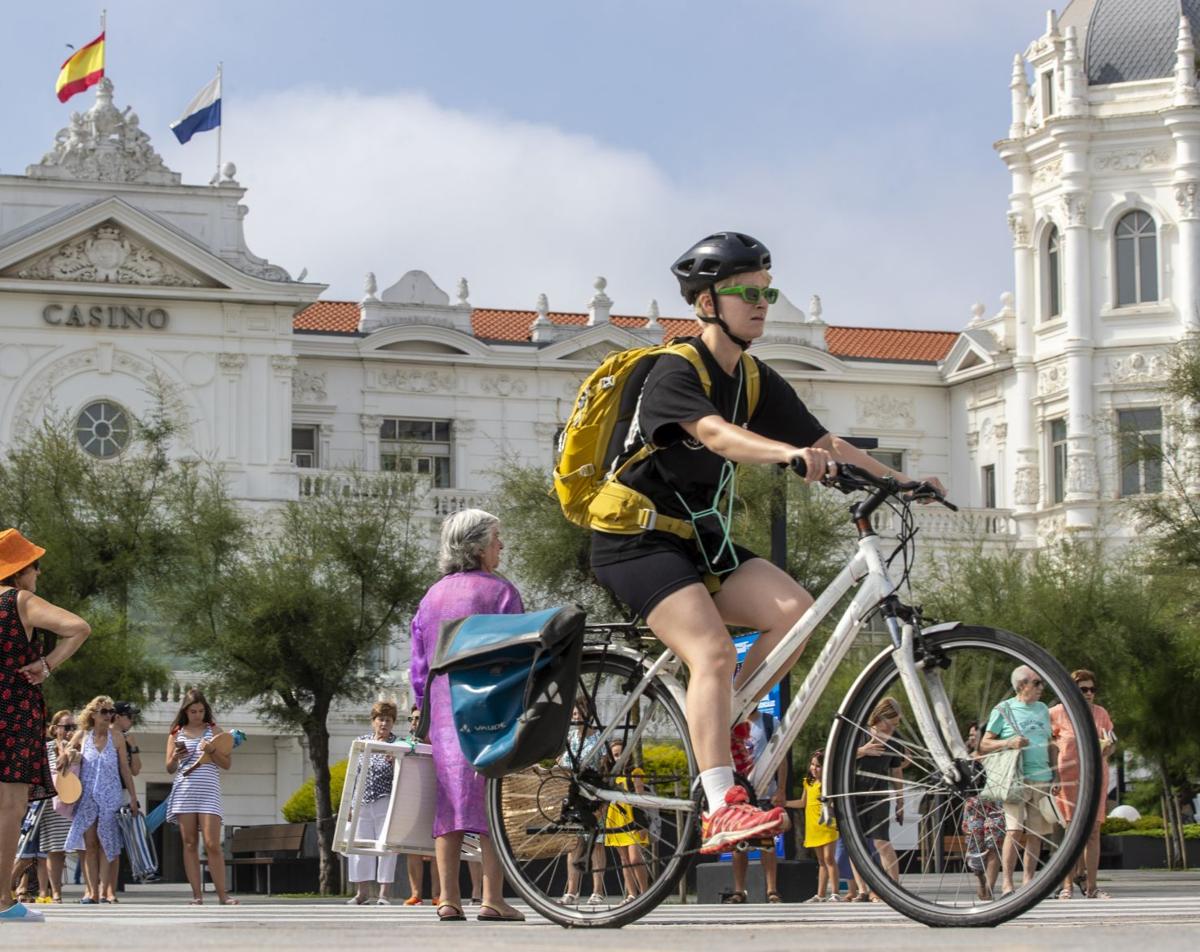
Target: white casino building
(113, 274)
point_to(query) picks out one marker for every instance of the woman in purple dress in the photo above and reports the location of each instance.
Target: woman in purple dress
(469, 555)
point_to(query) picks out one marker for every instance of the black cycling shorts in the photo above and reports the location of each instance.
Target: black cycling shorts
(659, 566)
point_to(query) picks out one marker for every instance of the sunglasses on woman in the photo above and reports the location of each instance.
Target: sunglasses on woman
(69, 727)
(1087, 688)
(107, 711)
(751, 294)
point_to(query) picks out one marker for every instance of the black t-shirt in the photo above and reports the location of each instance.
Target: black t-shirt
(673, 394)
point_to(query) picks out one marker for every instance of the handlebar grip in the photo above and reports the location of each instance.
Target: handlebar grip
(798, 466)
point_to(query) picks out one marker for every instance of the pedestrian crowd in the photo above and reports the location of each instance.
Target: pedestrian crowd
(67, 782)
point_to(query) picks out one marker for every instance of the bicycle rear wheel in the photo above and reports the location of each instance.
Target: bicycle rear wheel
(561, 846)
(947, 849)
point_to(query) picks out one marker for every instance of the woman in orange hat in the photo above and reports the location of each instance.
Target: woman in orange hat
(24, 767)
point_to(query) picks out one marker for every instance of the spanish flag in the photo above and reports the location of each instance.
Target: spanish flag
(84, 68)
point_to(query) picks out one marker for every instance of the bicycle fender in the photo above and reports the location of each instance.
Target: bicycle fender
(828, 786)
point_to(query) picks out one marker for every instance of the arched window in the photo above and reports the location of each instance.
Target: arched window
(1137, 259)
(1052, 275)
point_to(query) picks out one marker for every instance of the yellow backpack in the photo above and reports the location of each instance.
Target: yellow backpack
(592, 453)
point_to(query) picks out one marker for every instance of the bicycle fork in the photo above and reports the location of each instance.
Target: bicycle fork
(930, 706)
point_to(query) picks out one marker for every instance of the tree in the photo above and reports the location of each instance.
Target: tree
(108, 531)
(546, 555)
(286, 610)
(1092, 608)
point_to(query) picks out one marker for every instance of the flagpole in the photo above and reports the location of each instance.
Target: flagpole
(220, 125)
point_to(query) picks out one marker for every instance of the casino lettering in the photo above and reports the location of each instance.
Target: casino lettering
(115, 316)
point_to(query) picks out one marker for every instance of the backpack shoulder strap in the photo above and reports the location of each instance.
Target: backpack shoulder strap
(753, 383)
(689, 353)
(750, 372)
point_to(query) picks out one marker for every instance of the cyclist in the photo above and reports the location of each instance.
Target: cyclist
(689, 589)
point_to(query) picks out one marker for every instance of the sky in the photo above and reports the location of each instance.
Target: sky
(532, 145)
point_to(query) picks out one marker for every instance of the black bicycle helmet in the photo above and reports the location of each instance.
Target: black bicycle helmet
(718, 257)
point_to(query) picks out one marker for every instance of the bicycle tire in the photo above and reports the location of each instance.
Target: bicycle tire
(906, 896)
(508, 809)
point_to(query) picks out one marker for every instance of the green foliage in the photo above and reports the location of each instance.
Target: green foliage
(1092, 610)
(546, 554)
(109, 532)
(1145, 796)
(662, 761)
(301, 806)
(1149, 822)
(820, 536)
(1114, 825)
(288, 611)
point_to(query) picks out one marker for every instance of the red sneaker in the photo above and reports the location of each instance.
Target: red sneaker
(737, 820)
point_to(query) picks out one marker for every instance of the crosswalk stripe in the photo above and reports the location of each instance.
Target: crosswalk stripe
(299, 913)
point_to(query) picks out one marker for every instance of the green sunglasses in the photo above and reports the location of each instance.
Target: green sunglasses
(751, 294)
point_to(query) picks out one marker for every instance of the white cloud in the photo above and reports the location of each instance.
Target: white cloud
(344, 183)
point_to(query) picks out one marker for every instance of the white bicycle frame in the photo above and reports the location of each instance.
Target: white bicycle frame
(869, 571)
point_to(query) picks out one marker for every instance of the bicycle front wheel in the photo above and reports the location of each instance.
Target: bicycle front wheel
(580, 860)
(936, 849)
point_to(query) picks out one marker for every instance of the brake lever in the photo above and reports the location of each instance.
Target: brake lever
(931, 495)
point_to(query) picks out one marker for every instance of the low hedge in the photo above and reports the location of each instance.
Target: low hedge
(301, 806)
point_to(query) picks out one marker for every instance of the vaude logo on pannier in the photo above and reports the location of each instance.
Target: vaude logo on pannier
(483, 728)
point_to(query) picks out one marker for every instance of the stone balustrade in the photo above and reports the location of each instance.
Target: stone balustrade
(936, 522)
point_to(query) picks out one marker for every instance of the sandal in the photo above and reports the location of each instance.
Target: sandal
(813, 898)
(773, 896)
(1066, 892)
(569, 899)
(736, 897)
(413, 901)
(1097, 893)
(455, 915)
(194, 902)
(492, 914)
(861, 897)
(229, 901)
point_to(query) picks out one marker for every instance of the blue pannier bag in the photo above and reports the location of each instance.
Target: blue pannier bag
(512, 685)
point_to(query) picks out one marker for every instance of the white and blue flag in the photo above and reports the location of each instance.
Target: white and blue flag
(202, 113)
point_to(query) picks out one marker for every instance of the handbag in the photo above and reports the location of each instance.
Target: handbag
(64, 809)
(1004, 771)
(1048, 808)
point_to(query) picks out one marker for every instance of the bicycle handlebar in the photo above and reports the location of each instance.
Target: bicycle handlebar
(850, 478)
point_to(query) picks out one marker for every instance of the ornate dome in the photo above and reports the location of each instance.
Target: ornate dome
(1128, 40)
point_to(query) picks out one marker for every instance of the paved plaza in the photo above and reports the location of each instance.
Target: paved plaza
(1151, 910)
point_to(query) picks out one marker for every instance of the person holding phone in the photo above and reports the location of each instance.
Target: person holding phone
(195, 803)
(1067, 746)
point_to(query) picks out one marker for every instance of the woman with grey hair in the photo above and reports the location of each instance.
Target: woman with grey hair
(1023, 723)
(469, 554)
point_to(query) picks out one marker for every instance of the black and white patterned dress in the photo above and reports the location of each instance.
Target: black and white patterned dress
(199, 792)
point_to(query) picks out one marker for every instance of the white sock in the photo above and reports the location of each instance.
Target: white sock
(716, 781)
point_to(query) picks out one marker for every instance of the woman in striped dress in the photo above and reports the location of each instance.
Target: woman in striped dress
(54, 826)
(196, 799)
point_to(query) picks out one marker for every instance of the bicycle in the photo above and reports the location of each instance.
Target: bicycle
(552, 822)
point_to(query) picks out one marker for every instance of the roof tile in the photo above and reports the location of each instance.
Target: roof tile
(862, 343)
